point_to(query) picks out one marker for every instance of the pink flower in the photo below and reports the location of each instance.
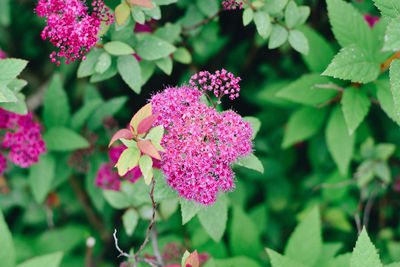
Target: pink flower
(200, 144)
(2, 54)
(23, 138)
(371, 20)
(107, 175)
(220, 83)
(70, 28)
(232, 4)
(3, 164)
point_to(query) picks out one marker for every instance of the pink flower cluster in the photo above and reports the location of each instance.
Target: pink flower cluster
(200, 144)
(221, 83)
(232, 4)
(107, 175)
(2, 54)
(70, 27)
(22, 137)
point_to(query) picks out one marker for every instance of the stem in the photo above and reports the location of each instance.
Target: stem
(250, 5)
(209, 98)
(386, 65)
(205, 21)
(155, 245)
(368, 207)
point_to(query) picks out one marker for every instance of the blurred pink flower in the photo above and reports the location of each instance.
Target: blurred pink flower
(2, 54)
(371, 20)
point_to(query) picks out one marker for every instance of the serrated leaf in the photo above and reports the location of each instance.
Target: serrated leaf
(340, 143)
(395, 85)
(364, 253)
(251, 162)
(355, 106)
(152, 48)
(386, 101)
(7, 251)
(128, 160)
(278, 260)
(130, 220)
(55, 107)
(41, 176)
(129, 69)
(117, 48)
(263, 24)
(213, 218)
(278, 37)
(308, 229)
(298, 41)
(189, 209)
(389, 8)
(49, 260)
(355, 64)
(392, 36)
(303, 124)
(248, 15)
(64, 139)
(341, 16)
(302, 90)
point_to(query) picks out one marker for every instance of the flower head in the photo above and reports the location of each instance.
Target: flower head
(200, 144)
(232, 4)
(220, 83)
(71, 28)
(23, 138)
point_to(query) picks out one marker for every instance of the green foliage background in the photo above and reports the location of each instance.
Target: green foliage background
(328, 141)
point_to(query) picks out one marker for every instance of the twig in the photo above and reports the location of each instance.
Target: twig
(155, 245)
(205, 21)
(338, 185)
(250, 5)
(368, 207)
(90, 242)
(359, 208)
(386, 65)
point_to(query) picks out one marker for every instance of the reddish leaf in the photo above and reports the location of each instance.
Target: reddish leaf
(143, 3)
(146, 124)
(144, 112)
(193, 259)
(148, 148)
(123, 133)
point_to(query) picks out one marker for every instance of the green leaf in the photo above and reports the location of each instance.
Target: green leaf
(395, 85)
(341, 16)
(389, 8)
(386, 100)
(278, 260)
(7, 251)
(87, 67)
(207, 7)
(355, 107)
(303, 124)
(248, 15)
(18, 107)
(63, 139)
(128, 160)
(392, 38)
(189, 209)
(355, 64)
(240, 261)
(103, 63)
(129, 69)
(322, 51)
(255, 124)
(309, 230)
(156, 134)
(213, 218)
(130, 220)
(165, 64)
(82, 115)
(295, 16)
(108, 108)
(117, 200)
(382, 170)
(56, 110)
(364, 253)
(251, 162)
(152, 48)
(41, 176)
(274, 7)
(49, 260)
(302, 91)
(182, 55)
(340, 143)
(169, 32)
(122, 12)
(10, 68)
(117, 48)
(7, 96)
(244, 238)
(278, 37)
(263, 24)
(146, 167)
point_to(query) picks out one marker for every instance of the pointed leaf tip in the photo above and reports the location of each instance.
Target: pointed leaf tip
(145, 125)
(123, 133)
(148, 148)
(142, 113)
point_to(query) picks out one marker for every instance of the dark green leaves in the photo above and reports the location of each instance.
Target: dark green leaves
(64, 139)
(152, 48)
(214, 218)
(56, 108)
(41, 176)
(7, 252)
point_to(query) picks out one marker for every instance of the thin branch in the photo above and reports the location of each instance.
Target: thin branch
(155, 245)
(205, 21)
(337, 185)
(359, 208)
(386, 65)
(250, 5)
(368, 207)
